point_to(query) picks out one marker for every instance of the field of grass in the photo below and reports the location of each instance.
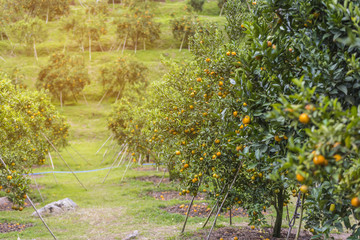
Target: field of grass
(113, 209)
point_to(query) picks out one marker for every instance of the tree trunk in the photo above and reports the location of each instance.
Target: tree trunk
(118, 96)
(182, 42)
(279, 206)
(301, 216)
(124, 44)
(61, 100)
(144, 45)
(35, 53)
(74, 96)
(136, 44)
(89, 47)
(222, 8)
(47, 15)
(113, 5)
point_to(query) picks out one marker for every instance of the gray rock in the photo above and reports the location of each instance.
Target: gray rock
(132, 235)
(58, 207)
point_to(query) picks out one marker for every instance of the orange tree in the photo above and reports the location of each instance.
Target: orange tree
(184, 27)
(47, 10)
(213, 113)
(64, 75)
(86, 28)
(29, 32)
(138, 25)
(116, 76)
(323, 157)
(25, 116)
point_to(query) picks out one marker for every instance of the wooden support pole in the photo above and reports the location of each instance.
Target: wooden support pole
(103, 144)
(111, 167)
(188, 212)
(64, 161)
(79, 154)
(218, 212)
(52, 165)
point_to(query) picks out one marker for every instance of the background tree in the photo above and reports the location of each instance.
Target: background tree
(185, 27)
(64, 75)
(139, 26)
(29, 32)
(121, 74)
(197, 5)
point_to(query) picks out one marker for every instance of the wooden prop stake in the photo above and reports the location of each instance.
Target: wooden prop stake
(32, 204)
(103, 144)
(126, 169)
(111, 167)
(218, 212)
(71, 156)
(52, 165)
(123, 155)
(301, 216)
(37, 187)
(79, 154)
(161, 178)
(215, 205)
(64, 161)
(188, 212)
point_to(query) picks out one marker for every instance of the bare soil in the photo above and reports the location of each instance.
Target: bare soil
(169, 195)
(154, 179)
(6, 204)
(203, 210)
(246, 233)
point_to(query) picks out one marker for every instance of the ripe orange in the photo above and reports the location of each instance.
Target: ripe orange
(337, 157)
(218, 154)
(300, 178)
(244, 104)
(246, 120)
(177, 152)
(208, 60)
(235, 113)
(304, 118)
(355, 202)
(217, 141)
(319, 160)
(233, 53)
(304, 188)
(199, 79)
(228, 53)
(221, 83)
(9, 177)
(269, 44)
(277, 138)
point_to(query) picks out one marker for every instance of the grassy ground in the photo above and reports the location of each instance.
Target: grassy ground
(113, 209)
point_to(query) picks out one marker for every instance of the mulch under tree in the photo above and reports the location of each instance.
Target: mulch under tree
(153, 179)
(169, 195)
(12, 227)
(6, 204)
(246, 233)
(203, 210)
